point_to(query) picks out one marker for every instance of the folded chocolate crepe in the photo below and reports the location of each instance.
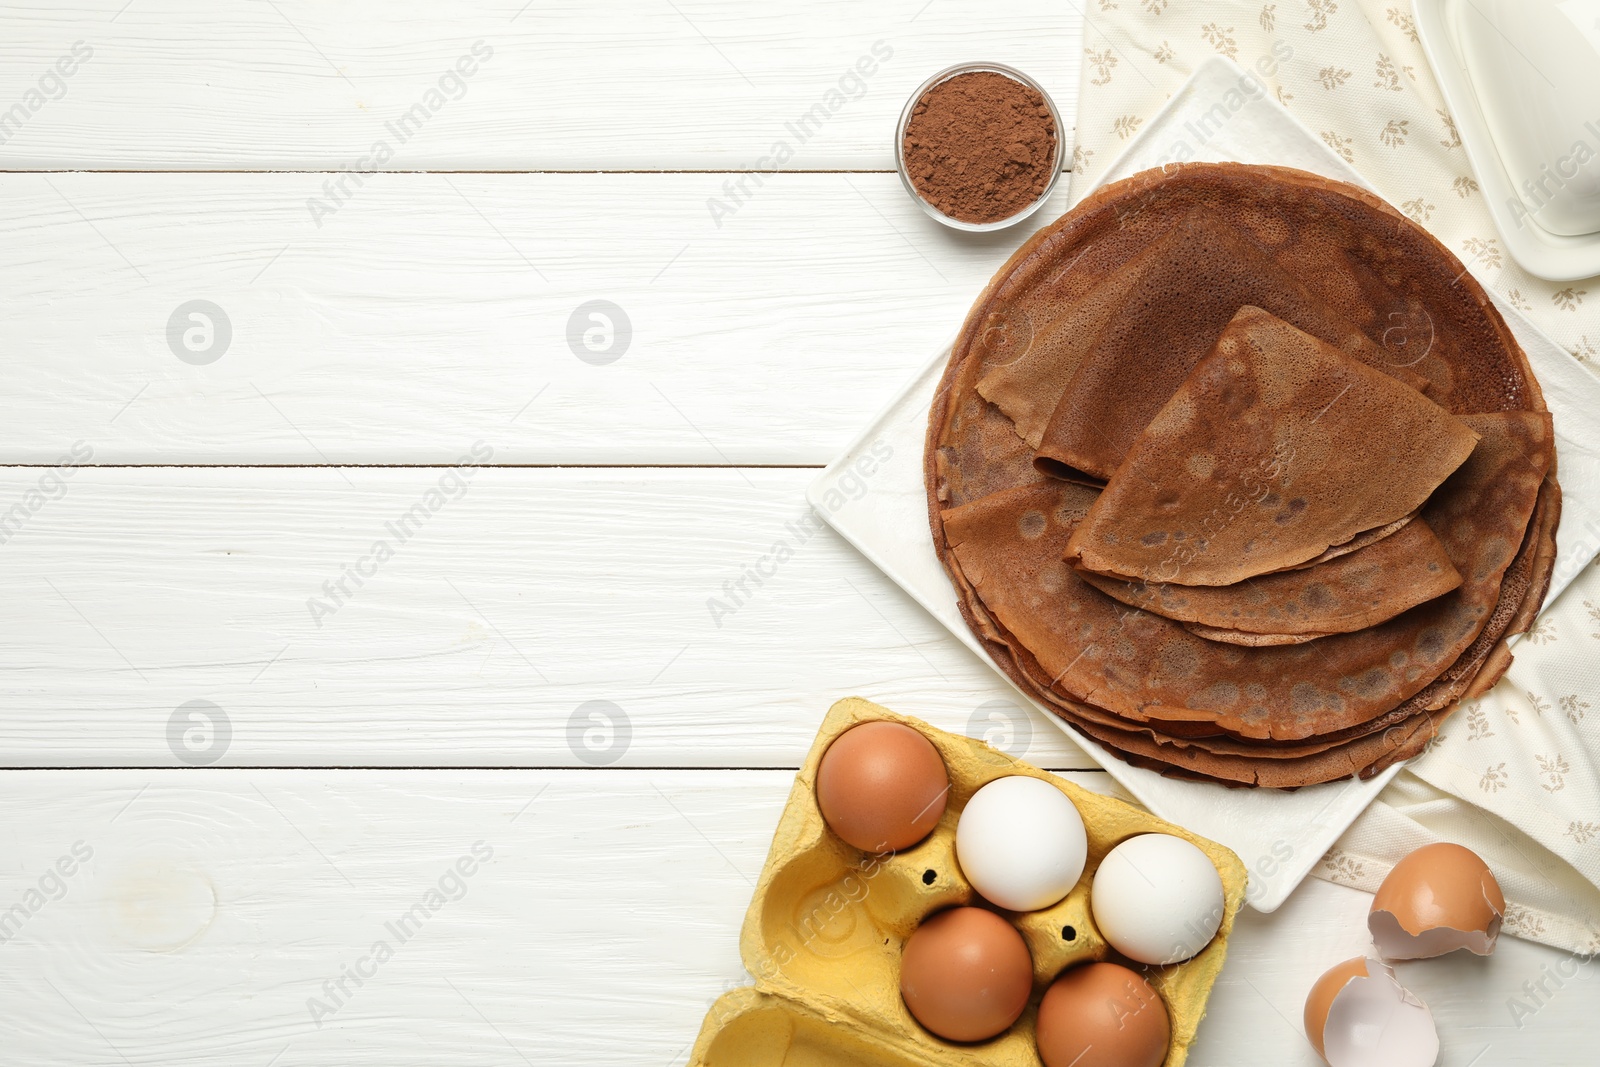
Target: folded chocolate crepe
(1350, 592)
(1052, 331)
(1143, 684)
(1273, 449)
(1163, 326)
(1361, 540)
(1064, 330)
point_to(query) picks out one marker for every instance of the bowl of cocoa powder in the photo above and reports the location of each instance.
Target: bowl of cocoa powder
(979, 146)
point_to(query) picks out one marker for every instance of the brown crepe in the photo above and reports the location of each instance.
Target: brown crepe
(1405, 292)
(1139, 358)
(1250, 640)
(1053, 334)
(1024, 669)
(1142, 667)
(1274, 448)
(1361, 540)
(1376, 269)
(1463, 677)
(1399, 730)
(1061, 331)
(1395, 736)
(1351, 592)
(1362, 758)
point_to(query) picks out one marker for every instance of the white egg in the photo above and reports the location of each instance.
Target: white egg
(1020, 842)
(1157, 899)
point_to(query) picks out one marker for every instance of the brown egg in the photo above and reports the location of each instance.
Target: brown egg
(1439, 898)
(882, 786)
(966, 974)
(1103, 1015)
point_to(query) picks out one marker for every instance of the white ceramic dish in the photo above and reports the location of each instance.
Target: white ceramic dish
(1522, 79)
(1279, 835)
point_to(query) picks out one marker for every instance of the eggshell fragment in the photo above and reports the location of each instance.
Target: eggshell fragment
(1439, 898)
(1357, 1015)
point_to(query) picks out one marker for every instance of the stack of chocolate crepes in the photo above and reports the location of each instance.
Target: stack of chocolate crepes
(1240, 472)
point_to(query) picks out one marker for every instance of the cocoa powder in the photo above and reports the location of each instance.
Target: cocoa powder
(980, 146)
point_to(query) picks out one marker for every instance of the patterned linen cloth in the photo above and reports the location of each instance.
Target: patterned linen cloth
(1516, 775)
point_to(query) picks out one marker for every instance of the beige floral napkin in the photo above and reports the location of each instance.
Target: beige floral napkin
(1515, 775)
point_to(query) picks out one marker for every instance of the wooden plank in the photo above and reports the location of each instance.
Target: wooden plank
(213, 906)
(494, 84)
(477, 634)
(434, 310)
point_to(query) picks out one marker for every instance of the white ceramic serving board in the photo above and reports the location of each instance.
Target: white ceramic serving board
(1552, 256)
(1279, 835)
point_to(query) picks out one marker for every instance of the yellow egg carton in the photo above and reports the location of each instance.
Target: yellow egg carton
(826, 927)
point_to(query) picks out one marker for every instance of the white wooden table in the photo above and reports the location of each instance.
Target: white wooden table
(255, 739)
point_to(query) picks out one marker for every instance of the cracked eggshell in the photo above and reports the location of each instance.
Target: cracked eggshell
(1358, 1015)
(1439, 898)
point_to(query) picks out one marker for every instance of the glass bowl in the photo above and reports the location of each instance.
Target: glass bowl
(900, 141)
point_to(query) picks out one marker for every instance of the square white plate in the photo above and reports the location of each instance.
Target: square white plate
(1279, 835)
